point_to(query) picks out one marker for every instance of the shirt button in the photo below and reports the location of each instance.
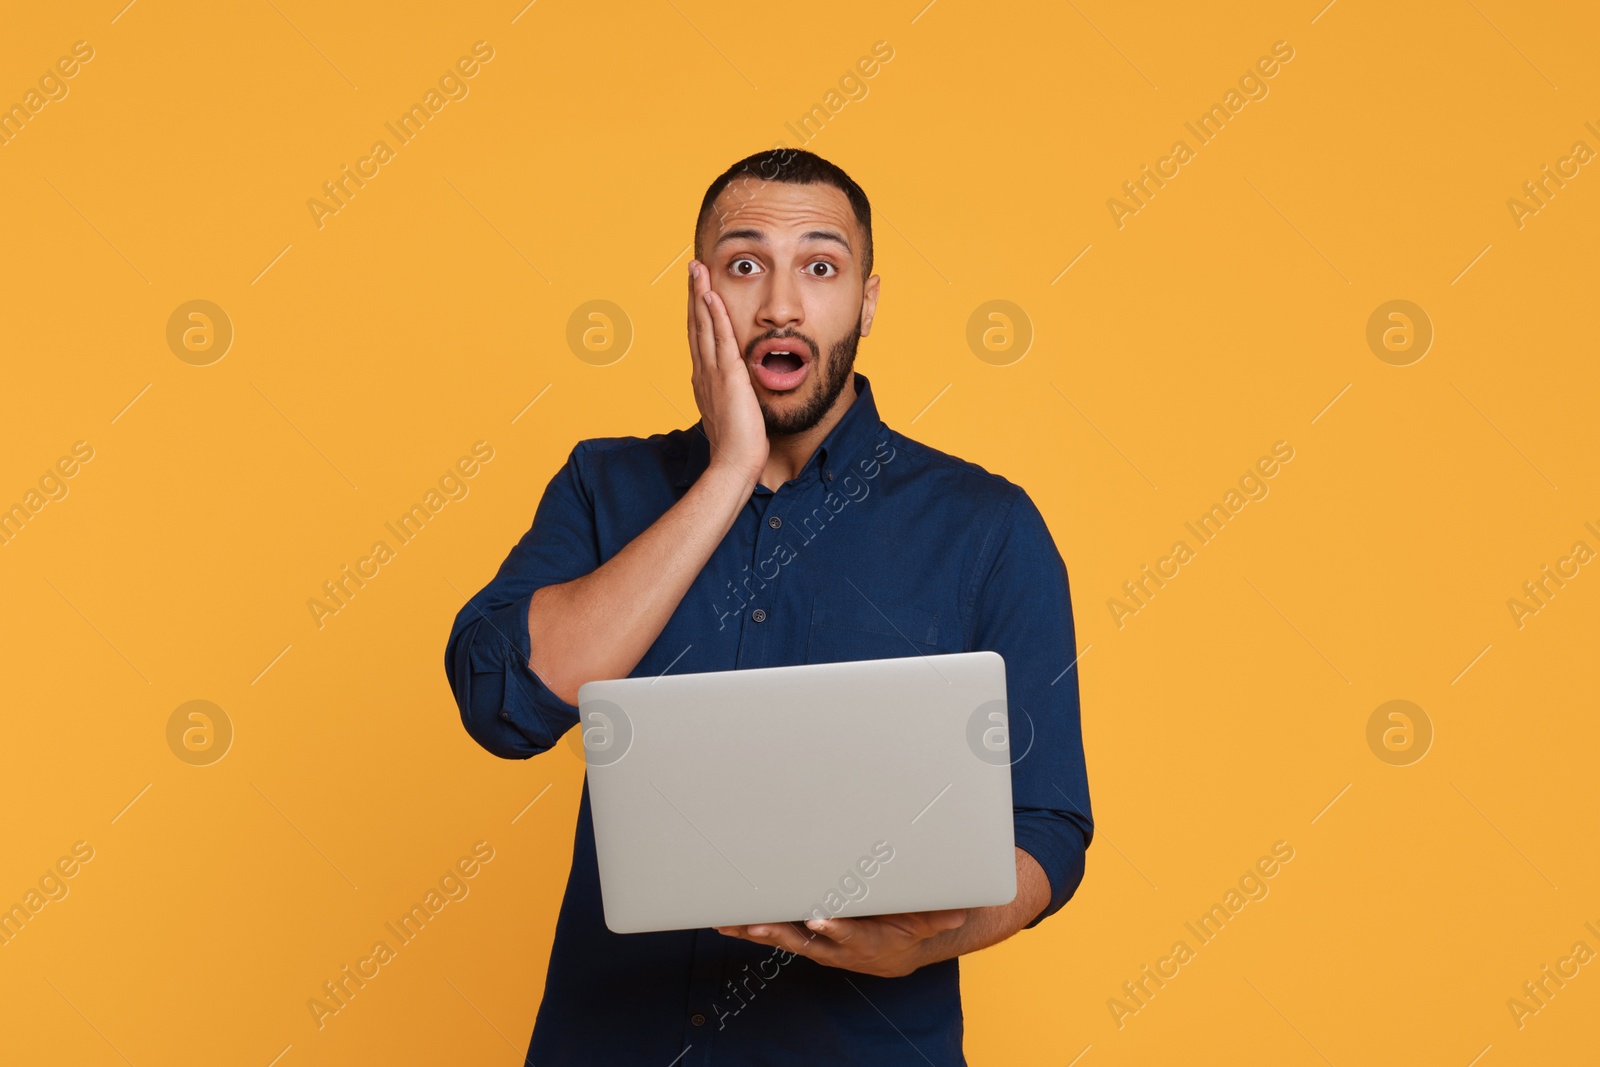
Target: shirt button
(759, 615)
(697, 1019)
(774, 522)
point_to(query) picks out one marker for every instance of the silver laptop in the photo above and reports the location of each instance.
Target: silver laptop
(779, 793)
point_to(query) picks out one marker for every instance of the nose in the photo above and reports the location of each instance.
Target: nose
(781, 305)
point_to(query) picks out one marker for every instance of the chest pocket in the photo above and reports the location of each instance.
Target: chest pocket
(846, 626)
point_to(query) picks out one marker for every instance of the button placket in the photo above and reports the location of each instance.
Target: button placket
(752, 638)
(706, 973)
(764, 543)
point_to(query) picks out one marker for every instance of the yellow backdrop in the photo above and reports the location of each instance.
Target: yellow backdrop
(1306, 290)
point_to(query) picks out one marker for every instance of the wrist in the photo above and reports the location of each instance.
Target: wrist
(734, 473)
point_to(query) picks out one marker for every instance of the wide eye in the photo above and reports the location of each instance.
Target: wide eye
(734, 266)
(830, 271)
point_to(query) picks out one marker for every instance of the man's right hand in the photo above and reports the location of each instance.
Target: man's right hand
(729, 413)
(601, 624)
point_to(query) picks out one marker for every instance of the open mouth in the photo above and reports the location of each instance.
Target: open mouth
(780, 364)
(783, 362)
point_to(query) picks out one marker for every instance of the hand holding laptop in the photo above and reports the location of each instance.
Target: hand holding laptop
(887, 946)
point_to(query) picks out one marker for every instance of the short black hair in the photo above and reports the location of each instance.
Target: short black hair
(799, 167)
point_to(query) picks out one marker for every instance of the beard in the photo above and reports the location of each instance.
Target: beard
(831, 375)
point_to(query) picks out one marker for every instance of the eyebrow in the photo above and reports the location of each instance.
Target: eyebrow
(759, 237)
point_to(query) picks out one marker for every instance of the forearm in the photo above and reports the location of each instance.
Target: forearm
(602, 624)
(990, 926)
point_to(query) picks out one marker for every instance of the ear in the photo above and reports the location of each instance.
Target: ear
(869, 304)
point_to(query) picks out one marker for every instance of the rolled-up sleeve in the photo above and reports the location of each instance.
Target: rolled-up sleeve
(1023, 610)
(504, 705)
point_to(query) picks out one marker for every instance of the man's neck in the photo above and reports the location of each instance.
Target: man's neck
(788, 453)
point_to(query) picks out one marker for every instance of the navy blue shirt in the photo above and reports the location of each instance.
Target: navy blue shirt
(880, 547)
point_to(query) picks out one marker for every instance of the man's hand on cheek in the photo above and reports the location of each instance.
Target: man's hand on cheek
(888, 946)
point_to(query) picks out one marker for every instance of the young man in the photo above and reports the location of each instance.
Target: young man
(789, 525)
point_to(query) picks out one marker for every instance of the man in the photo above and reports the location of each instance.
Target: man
(789, 525)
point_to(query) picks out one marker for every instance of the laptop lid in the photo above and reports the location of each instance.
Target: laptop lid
(778, 793)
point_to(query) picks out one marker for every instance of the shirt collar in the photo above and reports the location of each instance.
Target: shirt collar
(850, 436)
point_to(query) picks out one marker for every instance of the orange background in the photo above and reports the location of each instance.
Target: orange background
(368, 354)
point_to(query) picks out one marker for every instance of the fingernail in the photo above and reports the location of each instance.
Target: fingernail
(815, 924)
(708, 298)
(758, 931)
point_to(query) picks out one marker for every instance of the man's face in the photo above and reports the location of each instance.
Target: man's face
(785, 259)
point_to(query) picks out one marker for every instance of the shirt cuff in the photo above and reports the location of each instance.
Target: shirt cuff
(1058, 843)
(505, 706)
